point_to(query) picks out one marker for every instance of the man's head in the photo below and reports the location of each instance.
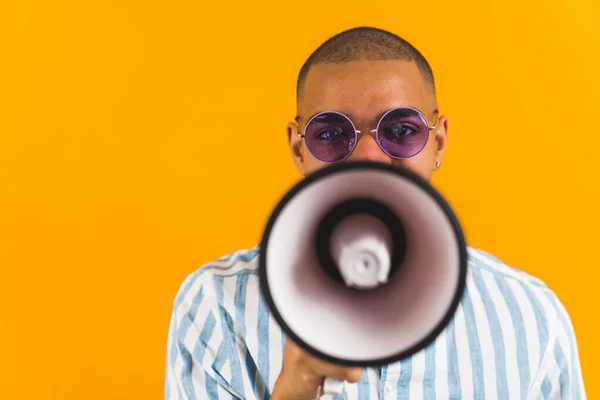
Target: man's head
(362, 73)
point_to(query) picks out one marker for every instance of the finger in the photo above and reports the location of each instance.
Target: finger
(351, 375)
(317, 367)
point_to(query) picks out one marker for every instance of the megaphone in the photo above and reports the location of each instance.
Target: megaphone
(362, 264)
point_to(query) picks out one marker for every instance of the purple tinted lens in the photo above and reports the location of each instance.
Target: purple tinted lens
(330, 137)
(402, 133)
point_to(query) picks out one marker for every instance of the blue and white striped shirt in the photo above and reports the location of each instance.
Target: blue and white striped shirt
(511, 338)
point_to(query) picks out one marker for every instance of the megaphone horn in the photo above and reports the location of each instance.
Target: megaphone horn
(362, 264)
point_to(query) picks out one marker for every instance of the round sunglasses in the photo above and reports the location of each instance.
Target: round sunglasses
(330, 136)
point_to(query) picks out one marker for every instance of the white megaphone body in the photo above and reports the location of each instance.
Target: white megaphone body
(362, 264)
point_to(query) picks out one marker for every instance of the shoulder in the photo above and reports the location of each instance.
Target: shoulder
(210, 295)
(480, 260)
(207, 319)
(523, 292)
(209, 301)
(538, 316)
(212, 280)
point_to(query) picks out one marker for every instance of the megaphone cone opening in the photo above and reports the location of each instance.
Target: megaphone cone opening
(363, 327)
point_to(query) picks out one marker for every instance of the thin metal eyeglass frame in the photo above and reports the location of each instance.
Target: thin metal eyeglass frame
(376, 130)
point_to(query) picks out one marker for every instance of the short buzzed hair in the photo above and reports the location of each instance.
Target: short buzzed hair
(365, 43)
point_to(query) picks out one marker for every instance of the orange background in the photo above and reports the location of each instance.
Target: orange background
(132, 134)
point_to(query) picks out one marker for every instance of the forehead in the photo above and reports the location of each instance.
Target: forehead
(364, 89)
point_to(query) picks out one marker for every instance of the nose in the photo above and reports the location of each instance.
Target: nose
(367, 149)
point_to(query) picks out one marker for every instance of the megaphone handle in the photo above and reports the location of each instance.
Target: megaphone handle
(333, 387)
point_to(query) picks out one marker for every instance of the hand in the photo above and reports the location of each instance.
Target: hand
(302, 374)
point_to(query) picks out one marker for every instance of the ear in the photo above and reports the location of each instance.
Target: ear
(441, 138)
(296, 146)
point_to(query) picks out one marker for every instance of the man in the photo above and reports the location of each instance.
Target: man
(511, 338)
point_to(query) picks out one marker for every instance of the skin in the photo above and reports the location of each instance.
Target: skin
(362, 90)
